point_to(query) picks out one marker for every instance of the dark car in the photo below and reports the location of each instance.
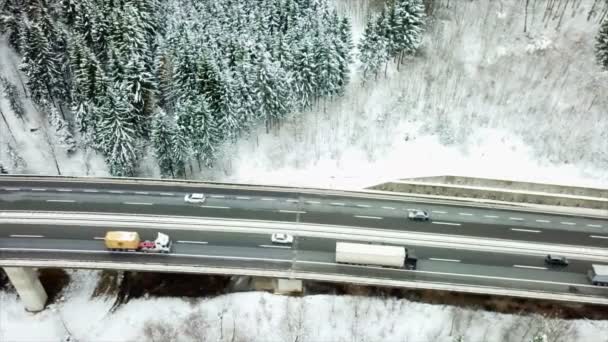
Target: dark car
(556, 260)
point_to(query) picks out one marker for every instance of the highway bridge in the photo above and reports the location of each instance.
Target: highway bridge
(470, 247)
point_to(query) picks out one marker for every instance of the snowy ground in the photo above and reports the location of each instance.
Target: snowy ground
(255, 316)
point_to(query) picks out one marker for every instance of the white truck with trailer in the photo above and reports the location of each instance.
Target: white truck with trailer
(598, 274)
(378, 255)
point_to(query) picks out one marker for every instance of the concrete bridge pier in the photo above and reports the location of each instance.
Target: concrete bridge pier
(28, 286)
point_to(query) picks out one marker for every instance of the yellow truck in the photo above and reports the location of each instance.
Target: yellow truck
(121, 241)
(130, 241)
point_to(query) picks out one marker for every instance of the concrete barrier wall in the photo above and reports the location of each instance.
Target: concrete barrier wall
(494, 194)
(513, 185)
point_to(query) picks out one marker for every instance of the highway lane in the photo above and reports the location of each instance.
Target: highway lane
(272, 209)
(189, 241)
(430, 269)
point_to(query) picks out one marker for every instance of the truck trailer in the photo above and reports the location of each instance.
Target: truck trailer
(379, 255)
(131, 242)
(598, 275)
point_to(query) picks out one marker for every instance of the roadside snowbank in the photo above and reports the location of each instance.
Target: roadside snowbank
(256, 316)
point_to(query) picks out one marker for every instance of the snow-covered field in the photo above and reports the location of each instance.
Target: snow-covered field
(263, 317)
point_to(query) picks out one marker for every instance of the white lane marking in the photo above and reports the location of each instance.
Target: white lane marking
(141, 192)
(446, 223)
(38, 189)
(439, 212)
(166, 194)
(243, 197)
(269, 199)
(216, 196)
(12, 189)
(193, 242)
(363, 206)
(465, 214)
(313, 202)
(61, 201)
(336, 203)
(369, 217)
(525, 230)
(543, 221)
(26, 236)
(440, 259)
(292, 200)
(490, 216)
(292, 211)
(116, 192)
(410, 209)
(137, 203)
(595, 225)
(64, 190)
(273, 246)
(99, 238)
(532, 267)
(516, 218)
(90, 190)
(569, 223)
(214, 207)
(388, 208)
(598, 237)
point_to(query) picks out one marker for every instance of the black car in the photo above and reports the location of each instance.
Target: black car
(556, 260)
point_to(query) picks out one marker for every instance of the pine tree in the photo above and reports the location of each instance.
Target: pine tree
(195, 120)
(272, 89)
(411, 26)
(372, 50)
(116, 134)
(305, 80)
(344, 51)
(162, 136)
(12, 22)
(12, 94)
(601, 46)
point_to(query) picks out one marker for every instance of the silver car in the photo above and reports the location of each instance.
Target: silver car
(281, 238)
(418, 215)
(194, 198)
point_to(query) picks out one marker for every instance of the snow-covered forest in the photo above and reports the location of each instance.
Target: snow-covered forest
(181, 77)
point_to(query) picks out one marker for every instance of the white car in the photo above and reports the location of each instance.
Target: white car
(194, 198)
(418, 215)
(281, 238)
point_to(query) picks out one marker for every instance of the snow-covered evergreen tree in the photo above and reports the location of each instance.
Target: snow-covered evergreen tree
(163, 136)
(601, 45)
(12, 94)
(410, 27)
(372, 50)
(272, 89)
(116, 135)
(195, 120)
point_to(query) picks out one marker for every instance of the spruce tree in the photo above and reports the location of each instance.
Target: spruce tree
(411, 26)
(162, 136)
(601, 46)
(116, 135)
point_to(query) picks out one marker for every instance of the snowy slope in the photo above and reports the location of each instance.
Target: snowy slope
(264, 317)
(483, 99)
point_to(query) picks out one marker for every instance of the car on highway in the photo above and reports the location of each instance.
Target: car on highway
(418, 215)
(281, 238)
(556, 260)
(194, 198)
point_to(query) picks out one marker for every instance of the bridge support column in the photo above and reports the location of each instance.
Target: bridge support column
(28, 286)
(279, 286)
